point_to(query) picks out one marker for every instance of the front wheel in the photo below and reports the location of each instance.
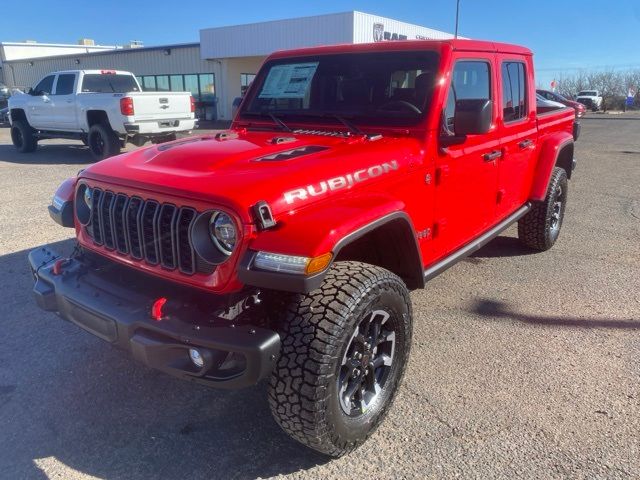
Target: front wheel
(540, 227)
(22, 137)
(103, 142)
(344, 351)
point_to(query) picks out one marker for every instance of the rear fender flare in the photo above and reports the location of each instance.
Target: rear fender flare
(552, 151)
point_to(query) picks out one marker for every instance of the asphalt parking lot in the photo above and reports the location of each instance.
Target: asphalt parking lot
(524, 365)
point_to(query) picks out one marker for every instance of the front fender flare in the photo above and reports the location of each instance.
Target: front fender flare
(328, 228)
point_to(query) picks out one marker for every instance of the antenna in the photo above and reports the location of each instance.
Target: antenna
(457, 12)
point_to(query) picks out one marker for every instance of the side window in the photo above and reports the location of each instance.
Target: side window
(471, 80)
(514, 91)
(149, 83)
(45, 86)
(65, 84)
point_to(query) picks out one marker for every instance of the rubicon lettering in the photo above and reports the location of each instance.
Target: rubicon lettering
(338, 183)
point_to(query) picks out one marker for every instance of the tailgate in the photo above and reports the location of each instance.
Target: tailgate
(163, 105)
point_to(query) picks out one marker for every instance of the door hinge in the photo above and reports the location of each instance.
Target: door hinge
(438, 227)
(441, 173)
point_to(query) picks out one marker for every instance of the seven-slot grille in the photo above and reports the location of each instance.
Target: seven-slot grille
(157, 233)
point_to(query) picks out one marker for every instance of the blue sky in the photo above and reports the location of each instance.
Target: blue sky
(565, 35)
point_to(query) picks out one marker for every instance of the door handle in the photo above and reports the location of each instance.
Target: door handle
(525, 144)
(491, 156)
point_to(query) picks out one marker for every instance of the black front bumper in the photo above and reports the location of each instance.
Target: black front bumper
(109, 307)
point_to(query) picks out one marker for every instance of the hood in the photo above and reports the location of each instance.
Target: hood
(238, 169)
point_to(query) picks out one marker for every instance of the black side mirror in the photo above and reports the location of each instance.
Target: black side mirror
(31, 91)
(473, 117)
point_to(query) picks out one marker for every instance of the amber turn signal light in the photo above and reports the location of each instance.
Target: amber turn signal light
(317, 264)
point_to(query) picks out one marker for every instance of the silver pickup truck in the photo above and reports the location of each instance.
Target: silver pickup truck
(103, 108)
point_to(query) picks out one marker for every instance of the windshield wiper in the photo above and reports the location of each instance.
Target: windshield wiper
(279, 122)
(347, 123)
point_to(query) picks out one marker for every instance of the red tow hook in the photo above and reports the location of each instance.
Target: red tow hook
(156, 309)
(57, 267)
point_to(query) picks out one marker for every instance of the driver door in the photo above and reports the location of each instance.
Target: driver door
(39, 105)
(466, 174)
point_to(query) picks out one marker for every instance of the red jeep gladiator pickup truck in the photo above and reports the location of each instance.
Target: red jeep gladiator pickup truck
(285, 248)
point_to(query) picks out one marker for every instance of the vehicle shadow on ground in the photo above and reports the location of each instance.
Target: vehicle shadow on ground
(501, 310)
(503, 247)
(47, 154)
(91, 408)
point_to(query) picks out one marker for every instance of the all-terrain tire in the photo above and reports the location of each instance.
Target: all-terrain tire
(102, 141)
(324, 329)
(540, 227)
(23, 137)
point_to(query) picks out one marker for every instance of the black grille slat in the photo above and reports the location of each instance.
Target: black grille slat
(149, 233)
(166, 235)
(96, 229)
(186, 253)
(133, 219)
(158, 233)
(119, 222)
(106, 220)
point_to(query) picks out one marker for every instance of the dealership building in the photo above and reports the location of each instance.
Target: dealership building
(220, 67)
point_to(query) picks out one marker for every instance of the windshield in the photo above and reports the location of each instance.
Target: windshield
(588, 93)
(374, 88)
(109, 83)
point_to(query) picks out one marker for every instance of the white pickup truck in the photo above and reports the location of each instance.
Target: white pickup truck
(103, 108)
(590, 99)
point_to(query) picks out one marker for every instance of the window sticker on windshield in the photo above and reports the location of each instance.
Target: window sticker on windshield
(289, 81)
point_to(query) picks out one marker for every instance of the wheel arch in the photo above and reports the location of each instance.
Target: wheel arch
(18, 114)
(97, 116)
(388, 242)
(557, 150)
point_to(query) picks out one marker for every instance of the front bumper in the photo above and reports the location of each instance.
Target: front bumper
(102, 303)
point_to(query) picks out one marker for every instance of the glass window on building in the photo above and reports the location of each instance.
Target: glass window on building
(162, 83)
(177, 83)
(149, 83)
(207, 87)
(245, 81)
(191, 85)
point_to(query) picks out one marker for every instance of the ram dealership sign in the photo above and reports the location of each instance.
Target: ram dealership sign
(380, 34)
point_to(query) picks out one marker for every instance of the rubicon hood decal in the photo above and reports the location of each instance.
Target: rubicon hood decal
(338, 183)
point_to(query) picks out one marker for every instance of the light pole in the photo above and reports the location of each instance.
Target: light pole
(457, 12)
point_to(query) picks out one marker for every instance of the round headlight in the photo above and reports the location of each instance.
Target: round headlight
(223, 232)
(88, 197)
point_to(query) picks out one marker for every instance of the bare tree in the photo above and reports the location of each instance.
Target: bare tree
(613, 86)
(570, 85)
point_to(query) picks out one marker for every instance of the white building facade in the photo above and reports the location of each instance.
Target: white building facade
(219, 68)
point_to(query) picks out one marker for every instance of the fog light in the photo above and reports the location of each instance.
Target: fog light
(196, 357)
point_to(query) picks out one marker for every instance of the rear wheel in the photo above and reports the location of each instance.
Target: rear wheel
(540, 228)
(102, 141)
(23, 137)
(344, 350)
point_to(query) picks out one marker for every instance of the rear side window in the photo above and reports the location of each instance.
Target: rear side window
(65, 84)
(514, 91)
(471, 80)
(46, 85)
(109, 83)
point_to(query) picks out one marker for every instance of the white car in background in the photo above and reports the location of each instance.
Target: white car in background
(103, 108)
(590, 99)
